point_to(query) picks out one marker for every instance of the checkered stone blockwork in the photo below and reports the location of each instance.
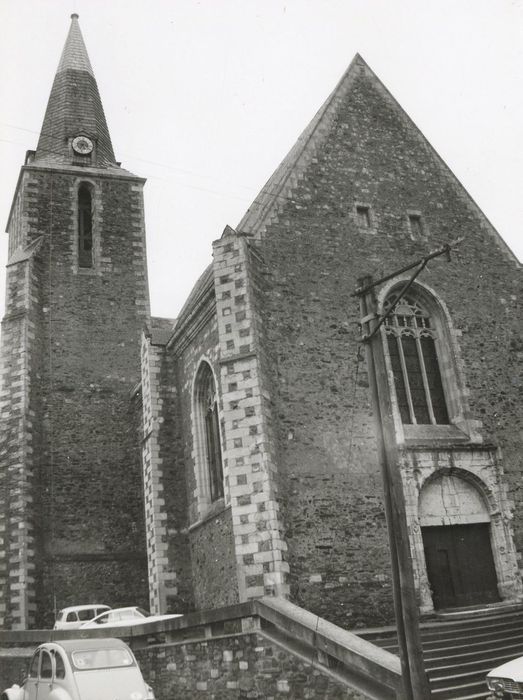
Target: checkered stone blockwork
(249, 460)
(17, 549)
(162, 580)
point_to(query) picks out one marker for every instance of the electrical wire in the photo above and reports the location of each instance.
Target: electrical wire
(262, 191)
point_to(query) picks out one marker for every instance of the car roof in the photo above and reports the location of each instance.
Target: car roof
(84, 607)
(69, 645)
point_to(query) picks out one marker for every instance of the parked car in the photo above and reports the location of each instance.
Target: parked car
(73, 617)
(82, 669)
(506, 681)
(120, 617)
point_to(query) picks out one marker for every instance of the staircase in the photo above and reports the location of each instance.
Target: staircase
(459, 649)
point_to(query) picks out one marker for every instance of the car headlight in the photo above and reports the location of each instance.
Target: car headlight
(496, 685)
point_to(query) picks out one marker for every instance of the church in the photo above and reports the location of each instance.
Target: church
(231, 454)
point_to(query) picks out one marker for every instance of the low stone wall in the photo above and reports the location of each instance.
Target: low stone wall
(13, 665)
(261, 650)
(234, 668)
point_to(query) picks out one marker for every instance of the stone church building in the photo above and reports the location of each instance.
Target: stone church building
(231, 454)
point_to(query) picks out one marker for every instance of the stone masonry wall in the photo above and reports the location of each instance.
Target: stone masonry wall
(19, 373)
(213, 565)
(234, 668)
(170, 580)
(213, 560)
(89, 339)
(316, 247)
(250, 462)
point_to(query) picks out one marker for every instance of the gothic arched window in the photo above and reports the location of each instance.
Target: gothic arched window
(85, 226)
(209, 453)
(414, 343)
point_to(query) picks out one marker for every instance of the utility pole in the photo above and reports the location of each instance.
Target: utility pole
(415, 681)
(416, 686)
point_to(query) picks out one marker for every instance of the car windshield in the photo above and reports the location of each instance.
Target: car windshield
(90, 659)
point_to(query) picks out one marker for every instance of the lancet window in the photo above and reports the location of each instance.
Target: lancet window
(85, 227)
(208, 428)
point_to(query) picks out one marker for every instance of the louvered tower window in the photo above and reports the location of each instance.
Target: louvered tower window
(412, 339)
(85, 227)
(210, 450)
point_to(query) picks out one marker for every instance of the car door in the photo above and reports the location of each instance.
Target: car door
(31, 682)
(62, 676)
(45, 676)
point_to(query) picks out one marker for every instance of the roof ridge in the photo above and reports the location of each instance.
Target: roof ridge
(265, 205)
(271, 199)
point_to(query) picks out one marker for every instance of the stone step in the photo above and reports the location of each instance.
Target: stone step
(460, 651)
(457, 655)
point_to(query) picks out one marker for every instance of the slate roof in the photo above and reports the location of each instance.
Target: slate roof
(161, 330)
(74, 108)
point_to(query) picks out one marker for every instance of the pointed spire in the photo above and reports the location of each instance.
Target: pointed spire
(74, 109)
(74, 55)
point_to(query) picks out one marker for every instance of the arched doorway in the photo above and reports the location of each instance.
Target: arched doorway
(455, 526)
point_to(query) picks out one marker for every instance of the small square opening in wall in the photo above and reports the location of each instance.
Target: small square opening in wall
(416, 225)
(363, 216)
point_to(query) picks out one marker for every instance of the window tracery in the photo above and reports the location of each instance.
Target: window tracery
(412, 339)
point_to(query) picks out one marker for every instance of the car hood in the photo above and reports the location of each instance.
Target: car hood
(512, 669)
(109, 684)
(129, 622)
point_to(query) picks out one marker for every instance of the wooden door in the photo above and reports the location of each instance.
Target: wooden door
(460, 566)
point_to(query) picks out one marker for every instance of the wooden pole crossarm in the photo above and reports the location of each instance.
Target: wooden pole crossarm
(384, 317)
(436, 253)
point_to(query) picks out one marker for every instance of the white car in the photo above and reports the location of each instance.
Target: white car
(124, 617)
(82, 669)
(506, 681)
(74, 617)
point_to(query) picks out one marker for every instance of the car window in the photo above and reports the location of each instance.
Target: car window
(46, 666)
(86, 614)
(60, 666)
(33, 668)
(99, 611)
(101, 658)
(71, 617)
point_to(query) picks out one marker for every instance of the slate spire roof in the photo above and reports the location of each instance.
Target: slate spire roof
(74, 108)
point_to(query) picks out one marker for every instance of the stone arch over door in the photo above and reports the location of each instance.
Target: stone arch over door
(459, 540)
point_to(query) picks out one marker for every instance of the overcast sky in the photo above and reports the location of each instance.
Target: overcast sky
(204, 99)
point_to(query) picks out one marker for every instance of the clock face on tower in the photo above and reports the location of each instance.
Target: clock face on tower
(82, 145)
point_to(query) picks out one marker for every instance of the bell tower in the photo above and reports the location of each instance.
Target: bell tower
(71, 501)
